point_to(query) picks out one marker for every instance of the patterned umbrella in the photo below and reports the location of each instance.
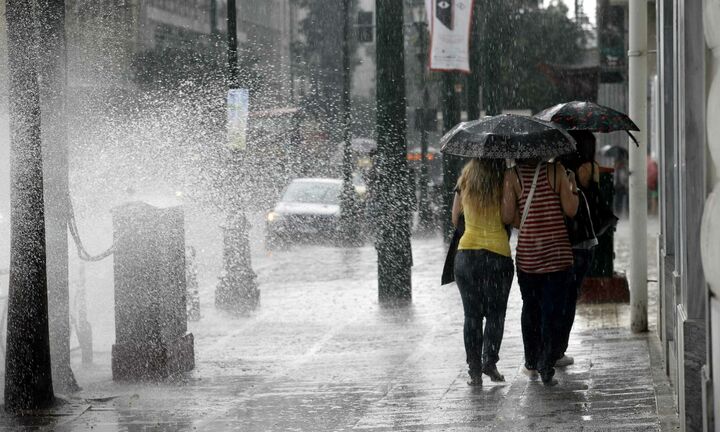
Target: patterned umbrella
(507, 136)
(579, 115)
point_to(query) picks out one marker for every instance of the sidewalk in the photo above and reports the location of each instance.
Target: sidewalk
(320, 354)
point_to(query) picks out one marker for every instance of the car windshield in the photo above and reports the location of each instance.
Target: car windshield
(312, 192)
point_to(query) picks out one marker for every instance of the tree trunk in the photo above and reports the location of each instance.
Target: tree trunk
(393, 235)
(28, 378)
(54, 138)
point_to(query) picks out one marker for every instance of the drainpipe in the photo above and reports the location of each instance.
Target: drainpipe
(637, 61)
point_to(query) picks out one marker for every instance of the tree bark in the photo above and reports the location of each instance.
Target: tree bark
(393, 236)
(54, 138)
(28, 378)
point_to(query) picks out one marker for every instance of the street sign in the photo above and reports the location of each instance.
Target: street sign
(237, 117)
(450, 22)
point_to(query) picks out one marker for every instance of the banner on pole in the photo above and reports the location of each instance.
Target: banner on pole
(450, 23)
(237, 118)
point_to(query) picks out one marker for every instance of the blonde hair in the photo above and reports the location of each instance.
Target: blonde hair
(481, 183)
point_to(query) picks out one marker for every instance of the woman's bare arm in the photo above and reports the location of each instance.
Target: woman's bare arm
(567, 190)
(509, 208)
(585, 174)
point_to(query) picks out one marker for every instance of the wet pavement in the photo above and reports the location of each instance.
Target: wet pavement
(320, 354)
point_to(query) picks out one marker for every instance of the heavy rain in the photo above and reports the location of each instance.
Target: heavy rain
(355, 214)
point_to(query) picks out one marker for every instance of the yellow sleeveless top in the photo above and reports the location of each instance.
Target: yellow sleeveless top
(484, 230)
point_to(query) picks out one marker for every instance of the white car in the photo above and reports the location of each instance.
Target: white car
(309, 209)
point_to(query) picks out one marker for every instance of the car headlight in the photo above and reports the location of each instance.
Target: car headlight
(273, 216)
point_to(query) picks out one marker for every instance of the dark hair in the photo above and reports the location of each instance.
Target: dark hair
(585, 145)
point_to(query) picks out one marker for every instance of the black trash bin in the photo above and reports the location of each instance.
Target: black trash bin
(151, 339)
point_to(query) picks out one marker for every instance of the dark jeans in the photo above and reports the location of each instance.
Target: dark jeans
(484, 279)
(582, 260)
(544, 297)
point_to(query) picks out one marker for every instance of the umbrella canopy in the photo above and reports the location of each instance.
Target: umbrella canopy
(589, 116)
(578, 115)
(507, 136)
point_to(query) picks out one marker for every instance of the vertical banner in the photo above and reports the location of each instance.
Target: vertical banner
(450, 22)
(237, 117)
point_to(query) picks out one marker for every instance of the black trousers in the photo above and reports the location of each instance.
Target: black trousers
(544, 297)
(484, 279)
(582, 260)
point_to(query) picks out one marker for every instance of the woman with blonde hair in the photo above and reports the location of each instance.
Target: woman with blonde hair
(483, 265)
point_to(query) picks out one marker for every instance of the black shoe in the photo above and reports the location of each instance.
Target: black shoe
(564, 361)
(475, 381)
(550, 382)
(493, 373)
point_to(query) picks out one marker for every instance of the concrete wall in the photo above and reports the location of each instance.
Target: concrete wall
(711, 218)
(690, 217)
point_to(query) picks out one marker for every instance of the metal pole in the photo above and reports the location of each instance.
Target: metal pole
(213, 19)
(291, 50)
(237, 289)
(451, 164)
(637, 95)
(233, 66)
(425, 215)
(347, 214)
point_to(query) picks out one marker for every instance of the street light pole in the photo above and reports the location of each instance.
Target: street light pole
(237, 290)
(451, 164)
(233, 66)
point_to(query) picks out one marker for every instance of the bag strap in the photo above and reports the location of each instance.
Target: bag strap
(589, 243)
(526, 210)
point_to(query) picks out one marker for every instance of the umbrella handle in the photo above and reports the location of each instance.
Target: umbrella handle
(633, 138)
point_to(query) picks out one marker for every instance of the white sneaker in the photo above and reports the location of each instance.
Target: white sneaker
(565, 360)
(531, 373)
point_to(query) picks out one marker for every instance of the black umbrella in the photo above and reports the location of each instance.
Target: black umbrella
(507, 136)
(589, 116)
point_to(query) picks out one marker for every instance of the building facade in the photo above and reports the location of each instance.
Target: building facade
(688, 133)
(118, 44)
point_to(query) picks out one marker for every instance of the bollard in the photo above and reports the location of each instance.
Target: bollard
(151, 339)
(603, 284)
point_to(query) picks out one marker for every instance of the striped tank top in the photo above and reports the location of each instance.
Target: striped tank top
(543, 244)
